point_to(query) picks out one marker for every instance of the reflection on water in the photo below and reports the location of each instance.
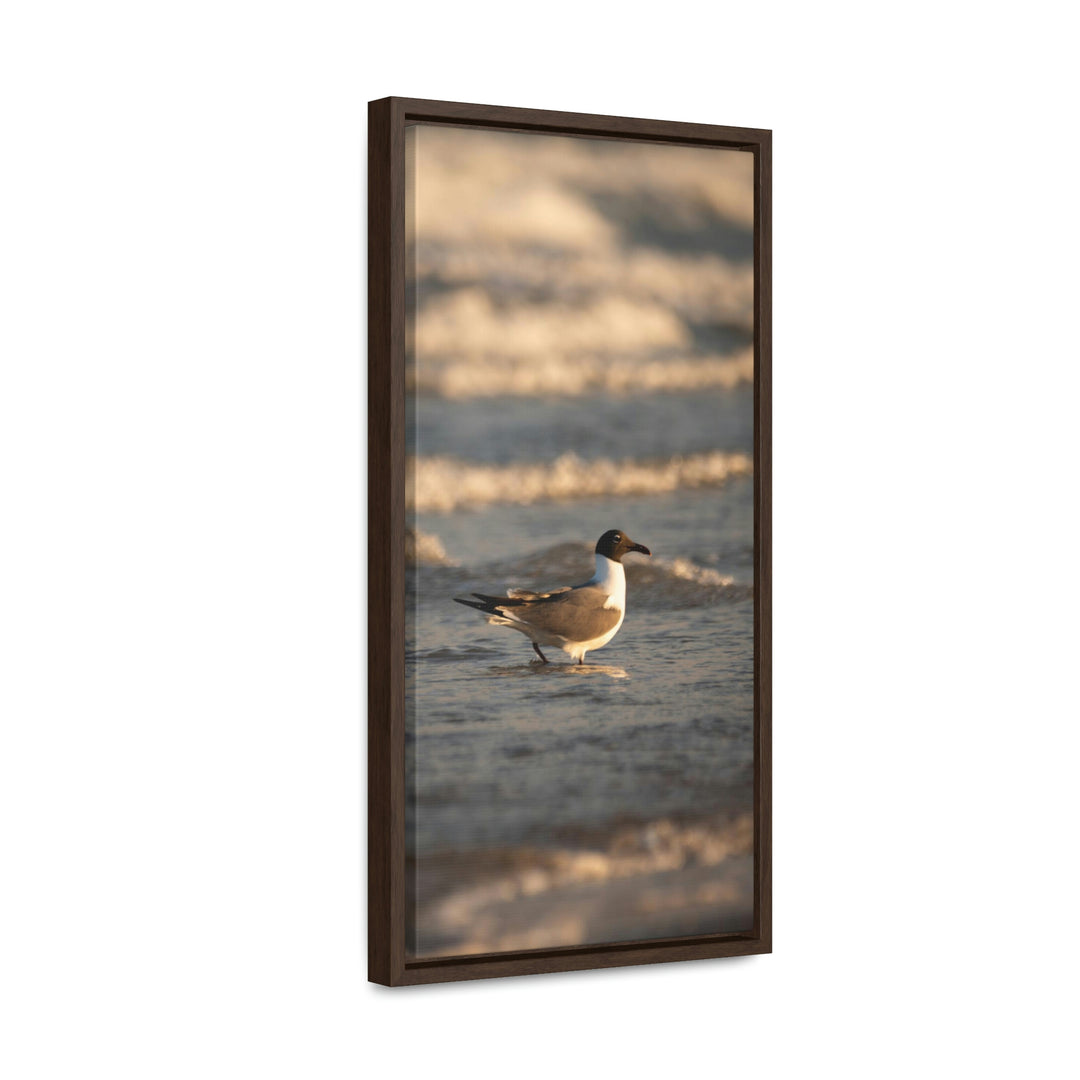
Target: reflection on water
(580, 359)
(556, 669)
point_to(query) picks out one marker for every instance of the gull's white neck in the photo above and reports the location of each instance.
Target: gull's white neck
(612, 579)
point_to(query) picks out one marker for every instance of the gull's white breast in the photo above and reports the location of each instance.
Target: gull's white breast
(611, 577)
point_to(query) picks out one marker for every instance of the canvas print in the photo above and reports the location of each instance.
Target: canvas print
(580, 584)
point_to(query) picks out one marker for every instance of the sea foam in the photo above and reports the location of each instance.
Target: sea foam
(442, 484)
(542, 898)
(574, 376)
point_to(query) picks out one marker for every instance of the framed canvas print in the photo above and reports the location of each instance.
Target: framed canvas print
(569, 561)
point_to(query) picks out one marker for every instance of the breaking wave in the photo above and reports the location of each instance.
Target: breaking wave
(551, 191)
(680, 583)
(424, 549)
(702, 288)
(685, 570)
(468, 323)
(574, 376)
(442, 484)
(678, 878)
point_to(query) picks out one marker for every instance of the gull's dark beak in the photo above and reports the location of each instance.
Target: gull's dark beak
(639, 547)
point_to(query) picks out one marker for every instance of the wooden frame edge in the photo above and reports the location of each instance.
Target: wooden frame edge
(386, 541)
(763, 536)
(594, 958)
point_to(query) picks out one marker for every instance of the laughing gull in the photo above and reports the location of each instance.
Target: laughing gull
(576, 618)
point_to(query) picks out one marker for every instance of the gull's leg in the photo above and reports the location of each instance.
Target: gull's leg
(581, 659)
(539, 653)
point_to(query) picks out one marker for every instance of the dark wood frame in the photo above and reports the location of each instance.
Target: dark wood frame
(387, 120)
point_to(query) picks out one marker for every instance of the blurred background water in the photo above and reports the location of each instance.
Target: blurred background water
(580, 358)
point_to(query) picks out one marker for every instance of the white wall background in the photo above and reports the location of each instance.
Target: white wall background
(182, 423)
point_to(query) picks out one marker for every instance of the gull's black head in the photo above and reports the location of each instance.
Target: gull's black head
(615, 544)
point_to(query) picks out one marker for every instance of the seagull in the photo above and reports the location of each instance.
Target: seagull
(576, 619)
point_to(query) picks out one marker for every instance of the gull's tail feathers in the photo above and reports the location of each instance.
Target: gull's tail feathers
(490, 605)
(493, 608)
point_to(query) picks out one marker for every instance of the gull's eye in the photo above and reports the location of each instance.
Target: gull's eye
(618, 539)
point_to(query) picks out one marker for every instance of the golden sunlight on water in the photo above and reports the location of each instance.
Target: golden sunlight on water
(580, 357)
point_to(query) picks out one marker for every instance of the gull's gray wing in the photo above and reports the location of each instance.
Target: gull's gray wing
(576, 614)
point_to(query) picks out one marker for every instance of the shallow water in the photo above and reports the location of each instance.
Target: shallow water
(526, 429)
(509, 755)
